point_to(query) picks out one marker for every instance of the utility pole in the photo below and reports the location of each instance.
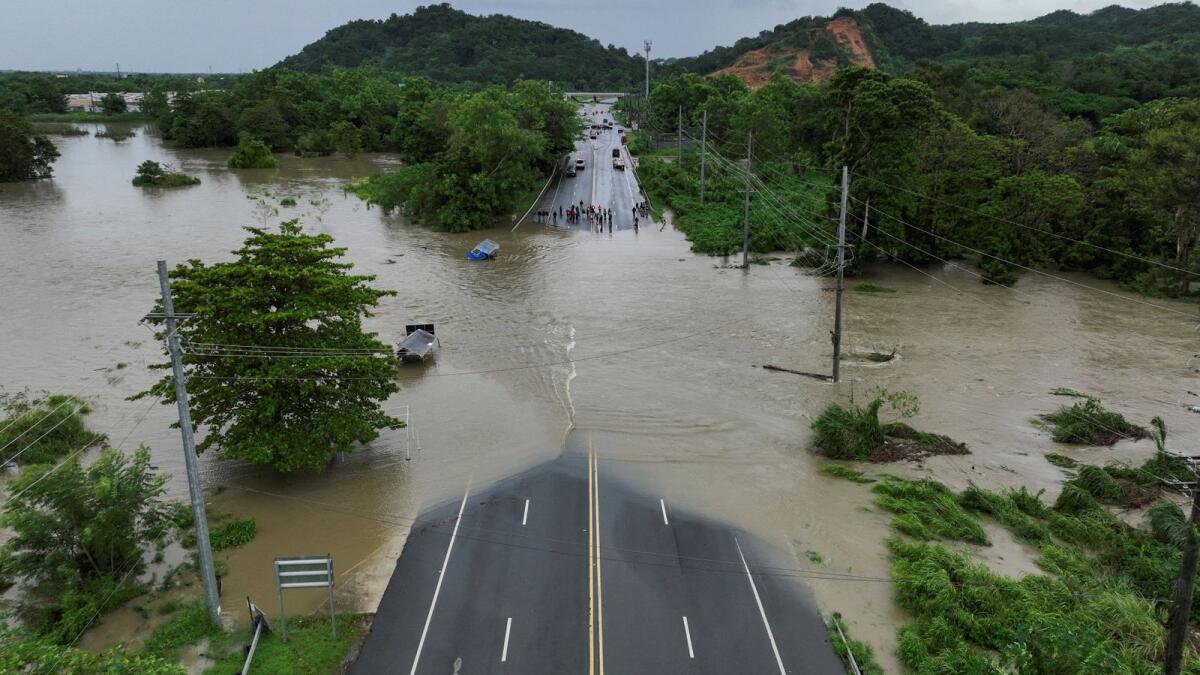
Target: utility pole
(679, 131)
(1185, 585)
(841, 264)
(746, 206)
(703, 150)
(646, 44)
(207, 574)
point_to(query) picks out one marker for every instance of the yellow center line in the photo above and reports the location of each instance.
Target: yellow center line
(591, 577)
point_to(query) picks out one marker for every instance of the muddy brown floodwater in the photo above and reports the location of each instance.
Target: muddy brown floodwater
(628, 336)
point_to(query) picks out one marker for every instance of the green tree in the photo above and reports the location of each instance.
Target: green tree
(1028, 209)
(79, 533)
(251, 153)
(24, 155)
(346, 138)
(285, 290)
(154, 103)
(113, 104)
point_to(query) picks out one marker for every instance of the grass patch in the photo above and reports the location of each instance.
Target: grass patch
(864, 656)
(1089, 423)
(39, 430)
(814, 557)
(116, 134)
(234, 533)
(863, 287)
(189, 626)
(852, 475)
(287, 201)
(1061, 461)
(927, 510)
(310, 649)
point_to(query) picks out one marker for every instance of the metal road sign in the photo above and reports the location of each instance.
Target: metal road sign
(304, 572)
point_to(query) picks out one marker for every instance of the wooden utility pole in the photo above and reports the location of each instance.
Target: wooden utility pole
(841, 264)
(1185, 585)
(703, 150)
(208, 576)
(746, 207)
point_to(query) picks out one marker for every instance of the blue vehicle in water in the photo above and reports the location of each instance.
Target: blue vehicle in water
(484, 250)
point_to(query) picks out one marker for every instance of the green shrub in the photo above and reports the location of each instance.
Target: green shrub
(287, 201)
(251, 153)
(153, 174)
(1098, 483)
(1074, 499)
(234, 533)
(848, 433)
(42, 429)
(1089, 423)
(316, 143)
(190, 625)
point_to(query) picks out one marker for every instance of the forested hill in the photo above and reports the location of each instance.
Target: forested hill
(1112, 56)
(448, 45)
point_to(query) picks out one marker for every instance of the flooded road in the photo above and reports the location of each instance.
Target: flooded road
(627, 336)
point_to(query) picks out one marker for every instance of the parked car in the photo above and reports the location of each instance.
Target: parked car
(570, 168)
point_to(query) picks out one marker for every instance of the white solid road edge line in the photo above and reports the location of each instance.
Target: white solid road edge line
(438, 589)
(507, 630)
(663, 504)
(688, 633)
(525, 516)
(761, 611)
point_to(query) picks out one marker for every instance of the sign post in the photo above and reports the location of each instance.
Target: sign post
(304, 572)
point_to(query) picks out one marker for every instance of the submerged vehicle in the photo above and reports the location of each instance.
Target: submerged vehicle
(484, 250)
(419, 343)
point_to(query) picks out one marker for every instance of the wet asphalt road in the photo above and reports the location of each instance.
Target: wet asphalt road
(565, 570)
(598, 183)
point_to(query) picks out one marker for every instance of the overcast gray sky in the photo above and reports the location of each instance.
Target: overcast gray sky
(238, 35)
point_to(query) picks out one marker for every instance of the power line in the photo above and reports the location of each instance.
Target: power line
(1024, 267)
(1028, 227)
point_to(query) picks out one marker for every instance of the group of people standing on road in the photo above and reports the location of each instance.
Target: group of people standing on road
(595, 215)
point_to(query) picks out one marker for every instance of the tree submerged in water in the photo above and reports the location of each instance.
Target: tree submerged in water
(313, 380)
(251, 153)
(153, 174)
(24, 155)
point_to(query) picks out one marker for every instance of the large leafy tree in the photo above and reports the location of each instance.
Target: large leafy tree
(24, 155)
(311, 381)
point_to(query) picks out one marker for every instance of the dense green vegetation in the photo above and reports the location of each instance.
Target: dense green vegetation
(24, 155)
(1015, 184)
(26, 93)
(233, 533)
(470, 157)
(21, 652)
(152, 174)
(451, 46)
(78, 537)
(311, 649)
(40, 429)
(1093, 609)
(285, 290)
(251, 153)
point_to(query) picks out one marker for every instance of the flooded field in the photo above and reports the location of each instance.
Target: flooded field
(628, 336)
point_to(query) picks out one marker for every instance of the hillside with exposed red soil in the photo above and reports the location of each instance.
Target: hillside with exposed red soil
(757, 67)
